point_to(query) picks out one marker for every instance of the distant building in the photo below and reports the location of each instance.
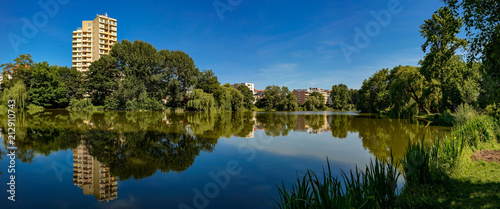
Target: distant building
(93, 40)
(301, 95)
(251, 86)
(258, 94)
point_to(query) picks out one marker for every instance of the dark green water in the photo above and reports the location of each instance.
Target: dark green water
(75, 159)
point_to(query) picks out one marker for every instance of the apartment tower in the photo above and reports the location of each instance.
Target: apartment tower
(93, 40)
(92, 176)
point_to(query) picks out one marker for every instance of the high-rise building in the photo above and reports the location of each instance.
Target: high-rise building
(93, 40)
(92, 176)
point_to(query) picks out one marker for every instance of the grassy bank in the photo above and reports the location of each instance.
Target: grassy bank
(442, 175)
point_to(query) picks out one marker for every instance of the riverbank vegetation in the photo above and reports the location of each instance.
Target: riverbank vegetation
(445, 173)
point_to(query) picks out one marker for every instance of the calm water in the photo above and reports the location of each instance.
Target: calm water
(69, 159)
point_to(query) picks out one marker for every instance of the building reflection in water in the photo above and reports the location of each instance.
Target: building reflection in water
(92, 176)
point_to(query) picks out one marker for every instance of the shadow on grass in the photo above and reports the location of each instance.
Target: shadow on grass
(451, 193)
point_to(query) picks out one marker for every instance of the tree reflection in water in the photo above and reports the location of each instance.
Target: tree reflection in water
(137, 144)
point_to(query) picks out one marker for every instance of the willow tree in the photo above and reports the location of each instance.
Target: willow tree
(17, 93)
(406, 92)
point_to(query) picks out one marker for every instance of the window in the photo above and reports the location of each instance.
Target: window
(90, 24)
(90, 29)
(79, 34)
(100, 51)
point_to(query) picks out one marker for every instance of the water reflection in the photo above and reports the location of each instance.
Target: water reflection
(92, 176)
(108, 146)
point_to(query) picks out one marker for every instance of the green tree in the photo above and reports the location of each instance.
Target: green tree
(17, 71)
(440, 33)
(374, 93)
(406, 92)
(340, 96)
(207, 81)
(18, 93)
(276, 98)
(248, 99)
(46, 87)
(102, 78)
(312, 103)
(482, 23)
(201, 101)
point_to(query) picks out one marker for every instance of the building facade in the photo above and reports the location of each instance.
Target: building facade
(301, 95)
(93, 40)
(93, 177)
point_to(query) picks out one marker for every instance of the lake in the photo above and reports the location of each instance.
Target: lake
(117, 159)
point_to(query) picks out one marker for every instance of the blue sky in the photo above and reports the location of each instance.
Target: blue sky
(293, 43)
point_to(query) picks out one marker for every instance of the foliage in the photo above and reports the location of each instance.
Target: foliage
(229, 98)
(277, 98)
(405, 92)
(248, 99)
(464, 113)
(207, 81)
(340, 96)
(481, 21)
(83, 104)
(478, 129)
(374, 93)
(135, 75)
(34, 107)
(493, 110)
(201, 101)
(373, 188)
(17, 93)
(314, 102)
(440, 33)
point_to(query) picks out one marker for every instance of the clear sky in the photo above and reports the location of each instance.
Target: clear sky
(299, 44)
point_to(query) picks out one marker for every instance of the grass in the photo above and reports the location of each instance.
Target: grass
(442, 175)
(375, 187)
(455, 180)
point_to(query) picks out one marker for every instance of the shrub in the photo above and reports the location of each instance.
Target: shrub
(477, 129)
(34, 107)
(84, 104)
(493, 110)
(464, 113)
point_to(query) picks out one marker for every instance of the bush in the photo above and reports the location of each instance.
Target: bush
(84, 104)
(34, 107)
(477, 129)
(464, 113)
(493, 110)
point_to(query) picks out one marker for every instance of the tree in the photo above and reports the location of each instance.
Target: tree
(277, 98)
(46, 88)
(482, 23)
(229, 98)
(340, 96)
(248, 99)
(180, 66)
(102, 79)
(201, 101)
(440, 33)
(313, 103)
(374, 93)
(207, 81)
(405, 91)
(17, 71)
(17, 93)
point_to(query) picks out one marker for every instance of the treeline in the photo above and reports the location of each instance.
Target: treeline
(443, 80)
